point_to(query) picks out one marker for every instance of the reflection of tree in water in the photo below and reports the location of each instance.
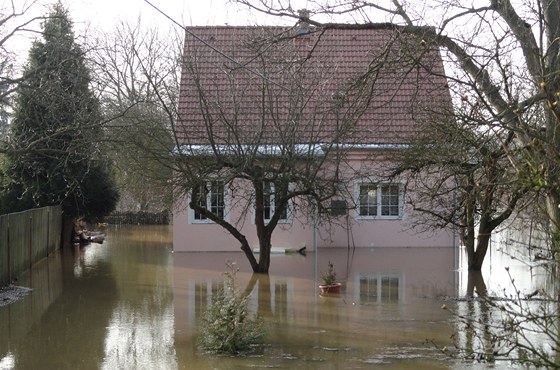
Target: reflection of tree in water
(137, 337)
(267, 297)
(271, 297)
(140, 332)
(506, 327)
(475, 320)
(115, 311)
(74, 324)
(475, 283)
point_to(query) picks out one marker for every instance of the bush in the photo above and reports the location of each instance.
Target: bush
(226, 326)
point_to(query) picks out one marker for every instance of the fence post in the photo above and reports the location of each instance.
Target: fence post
(9, 255)
(30, 242)
(48, 231)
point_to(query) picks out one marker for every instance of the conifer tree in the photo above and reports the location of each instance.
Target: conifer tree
(56, 130)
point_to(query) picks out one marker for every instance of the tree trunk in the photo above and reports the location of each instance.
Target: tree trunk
(263, 232)
(475, 282)
(552, 176)
(67, 231)
(553, 210)
(246, 248)
(476, 257)
(264, 256)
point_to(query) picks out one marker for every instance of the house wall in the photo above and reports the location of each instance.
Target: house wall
(344, 231)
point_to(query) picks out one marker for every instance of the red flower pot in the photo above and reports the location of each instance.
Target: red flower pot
(330, 289)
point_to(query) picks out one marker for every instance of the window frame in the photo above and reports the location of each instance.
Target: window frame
(289, 210)
(380, 201)
(225, 196)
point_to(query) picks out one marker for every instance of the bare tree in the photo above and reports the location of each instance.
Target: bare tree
(503, 62)
(462, 176)
(15, 21)
(502, 58)
(137, 80)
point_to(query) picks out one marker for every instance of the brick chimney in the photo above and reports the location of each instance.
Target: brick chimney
(302, 28)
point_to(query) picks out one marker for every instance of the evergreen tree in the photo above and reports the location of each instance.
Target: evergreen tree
(56, 130)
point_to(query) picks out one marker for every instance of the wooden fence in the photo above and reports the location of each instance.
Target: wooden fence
(26, 237)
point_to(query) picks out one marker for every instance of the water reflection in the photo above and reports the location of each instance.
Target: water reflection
(8, 361)
(476, 285)
(131, 303)
(497, 311)
(388, 302)
(510, 257)
(138, 339)
(139, 333)
(97, 306)
(380, 287)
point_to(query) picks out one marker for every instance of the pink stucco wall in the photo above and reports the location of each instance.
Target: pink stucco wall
(364, 233)
(191, 237)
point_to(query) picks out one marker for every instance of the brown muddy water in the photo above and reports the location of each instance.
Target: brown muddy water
(130, 303)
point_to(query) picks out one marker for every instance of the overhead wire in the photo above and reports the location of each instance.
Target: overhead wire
(215, 49)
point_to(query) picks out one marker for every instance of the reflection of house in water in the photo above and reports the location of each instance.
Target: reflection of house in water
(379, 288)
(280, 301)
(267, 294)
(392, 280)
(202, 293)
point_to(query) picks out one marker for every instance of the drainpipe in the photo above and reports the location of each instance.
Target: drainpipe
(314, 236)
(456, 271)
(315, 253)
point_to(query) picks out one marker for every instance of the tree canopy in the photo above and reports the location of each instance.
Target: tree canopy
(134, 67)
(54, 155)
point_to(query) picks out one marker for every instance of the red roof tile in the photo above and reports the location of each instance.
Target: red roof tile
(237, 88)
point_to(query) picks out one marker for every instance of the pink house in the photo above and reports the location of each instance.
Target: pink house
(350, 99)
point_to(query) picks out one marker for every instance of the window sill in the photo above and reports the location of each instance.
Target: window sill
(280, 222)
(201, 222)
(374, 218)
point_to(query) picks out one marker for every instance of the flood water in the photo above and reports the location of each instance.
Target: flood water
(130, 303)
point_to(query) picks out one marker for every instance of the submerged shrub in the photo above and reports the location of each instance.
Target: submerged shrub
(227, 326)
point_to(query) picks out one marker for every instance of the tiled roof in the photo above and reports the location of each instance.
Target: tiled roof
(238, 88)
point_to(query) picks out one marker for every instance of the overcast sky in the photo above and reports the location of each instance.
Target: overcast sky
(106, 13)
(91, 15)
(188, 12)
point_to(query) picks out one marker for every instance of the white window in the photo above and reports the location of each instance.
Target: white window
(380, 200)
(269, 203)
(212, 196)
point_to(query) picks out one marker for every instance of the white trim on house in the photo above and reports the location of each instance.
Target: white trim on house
(275, 150)
(264, 150)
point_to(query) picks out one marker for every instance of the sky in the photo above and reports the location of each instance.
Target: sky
(188, 12)
(91, 15)
(106, 13)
